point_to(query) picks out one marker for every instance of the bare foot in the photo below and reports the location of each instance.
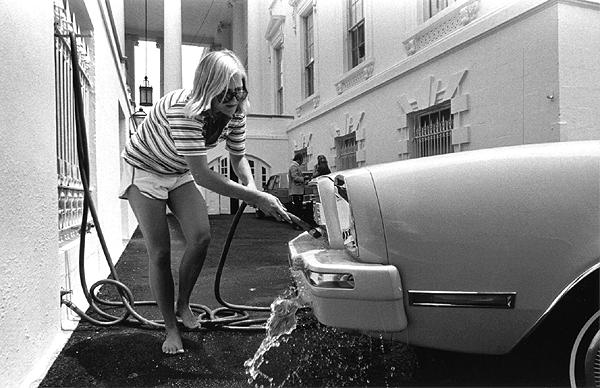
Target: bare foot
(188, 318)
(172, 344)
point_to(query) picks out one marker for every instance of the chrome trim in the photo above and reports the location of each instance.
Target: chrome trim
(472, 299)
(338, 280)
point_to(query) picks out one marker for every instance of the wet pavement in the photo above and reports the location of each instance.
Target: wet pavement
(312, 356)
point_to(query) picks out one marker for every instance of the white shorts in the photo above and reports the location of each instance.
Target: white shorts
(155, 186)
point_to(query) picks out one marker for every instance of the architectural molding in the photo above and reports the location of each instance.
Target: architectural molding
(352, 123)
(434, 91)
(309, 104)
(357, 75)
(277, 18)
(300, 7)
(482, 26)
(441, 25)
(304, 141)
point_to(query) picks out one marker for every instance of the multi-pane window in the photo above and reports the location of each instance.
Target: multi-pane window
(251, 164)
(263, 176)
(224, 167)
(432, 7)
(356, 32)
(346, 151)
(309, 55)
(279, 80)
(432, 132)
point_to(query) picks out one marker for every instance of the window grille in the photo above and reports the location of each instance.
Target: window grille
(346, 151)
(309, 57)
(432, 133)
(356, 32)
(70, 187)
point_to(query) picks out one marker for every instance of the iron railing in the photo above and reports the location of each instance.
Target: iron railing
(433, 139)
(346, 151)
(70, 188)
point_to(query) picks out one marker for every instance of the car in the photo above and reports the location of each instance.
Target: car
(467, 252)
(279, 185)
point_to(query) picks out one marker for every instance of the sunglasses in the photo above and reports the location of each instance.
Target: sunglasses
(225, 96)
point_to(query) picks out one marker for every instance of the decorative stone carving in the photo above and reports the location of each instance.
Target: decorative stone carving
(469, 13)
(410, 46)
(438, 28)
(352, 123)
(355, 76)
(310, 103)
(434, 91)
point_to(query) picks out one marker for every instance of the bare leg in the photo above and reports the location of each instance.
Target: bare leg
(189, 207)
(151, 216)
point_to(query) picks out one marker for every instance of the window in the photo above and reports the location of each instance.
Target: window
(346, 151)
(432, 132)
(432, 7)
(251, 164)
(356, 32)
(263, 176)
(224, 167)
(309, 55)
(279, 81)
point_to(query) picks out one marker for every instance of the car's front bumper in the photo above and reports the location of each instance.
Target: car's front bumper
(371, 300)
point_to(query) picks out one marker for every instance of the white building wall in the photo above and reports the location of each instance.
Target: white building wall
(522, 70)
(34, 269)
(579, 71)
(29, 311)
(259, 76)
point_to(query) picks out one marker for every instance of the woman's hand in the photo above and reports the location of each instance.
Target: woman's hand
(271, 205)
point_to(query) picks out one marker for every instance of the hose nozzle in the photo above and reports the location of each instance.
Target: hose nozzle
(315, 232)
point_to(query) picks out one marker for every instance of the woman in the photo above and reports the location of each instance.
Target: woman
(321, 168)
(167, 157)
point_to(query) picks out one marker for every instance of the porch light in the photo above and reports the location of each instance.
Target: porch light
(145, 88)
(146, 93)
(138, 117)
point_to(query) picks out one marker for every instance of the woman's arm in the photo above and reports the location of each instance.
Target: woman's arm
(216, 182)
(242, 169)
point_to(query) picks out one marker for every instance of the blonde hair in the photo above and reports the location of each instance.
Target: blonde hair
(213, 73)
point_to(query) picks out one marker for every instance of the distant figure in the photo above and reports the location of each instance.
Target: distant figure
(296, 185)
(321, 168)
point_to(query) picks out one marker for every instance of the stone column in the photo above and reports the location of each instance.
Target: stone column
(172, 46)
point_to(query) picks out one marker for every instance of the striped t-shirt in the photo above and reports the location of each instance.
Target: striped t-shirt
(167, 135)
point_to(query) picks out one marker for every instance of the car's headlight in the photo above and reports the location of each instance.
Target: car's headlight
(345, 216)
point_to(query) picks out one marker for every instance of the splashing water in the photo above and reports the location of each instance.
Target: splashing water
(281, 322)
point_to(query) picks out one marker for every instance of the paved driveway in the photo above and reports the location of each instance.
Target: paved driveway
(315, 356)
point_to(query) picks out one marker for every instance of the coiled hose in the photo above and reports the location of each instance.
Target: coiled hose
(230, 316)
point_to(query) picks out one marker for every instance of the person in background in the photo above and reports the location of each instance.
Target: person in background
(296, 191)
(167, 156)
(321, 168)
